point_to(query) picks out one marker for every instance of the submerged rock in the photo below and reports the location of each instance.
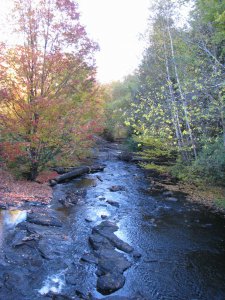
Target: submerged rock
(89, 220)
(113, 203)
(136, 254)
(117, 188)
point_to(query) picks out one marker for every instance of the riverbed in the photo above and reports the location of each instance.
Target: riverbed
(178, 247)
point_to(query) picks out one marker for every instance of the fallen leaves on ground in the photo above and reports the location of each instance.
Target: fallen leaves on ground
(16, 192)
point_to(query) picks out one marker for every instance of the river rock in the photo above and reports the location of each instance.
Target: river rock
(117, 188)
(110, 283)
(106, 229)
(89, 220)
(113, 203)
(43, 218)
(90, 258)
(98, 241)
(119, 244)
(105, 226)
(73, 275)
(104, 216)
(111, 261)
(18, 238)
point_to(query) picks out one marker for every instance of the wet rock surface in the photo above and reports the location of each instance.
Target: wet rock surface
(44, 217)
(110, 282)
(148, 247)
(111, 264)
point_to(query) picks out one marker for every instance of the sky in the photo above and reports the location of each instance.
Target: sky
(116, 25)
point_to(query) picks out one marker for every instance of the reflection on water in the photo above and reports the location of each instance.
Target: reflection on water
(85, 183)
(9, 219)
(13, 217)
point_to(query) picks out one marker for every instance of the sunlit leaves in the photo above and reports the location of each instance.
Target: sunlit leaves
(49, 97)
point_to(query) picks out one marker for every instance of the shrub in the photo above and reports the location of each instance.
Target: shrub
(209, 167)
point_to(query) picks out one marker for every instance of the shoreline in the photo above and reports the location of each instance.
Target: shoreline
(208, 196)
(18, 193)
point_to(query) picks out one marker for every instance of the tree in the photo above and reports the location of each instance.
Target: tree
(180, 97)
(47, 84)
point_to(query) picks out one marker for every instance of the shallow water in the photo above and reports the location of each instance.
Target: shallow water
(182, 245)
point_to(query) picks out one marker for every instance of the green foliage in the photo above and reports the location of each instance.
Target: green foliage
(208, 168)
(132, 144)
(180, 91)
(117, 101)
(157, 168)
(155, 149)
(220, 202)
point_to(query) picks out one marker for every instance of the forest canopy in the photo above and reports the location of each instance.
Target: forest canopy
(176, 108)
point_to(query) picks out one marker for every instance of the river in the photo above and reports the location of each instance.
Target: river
(181, 245)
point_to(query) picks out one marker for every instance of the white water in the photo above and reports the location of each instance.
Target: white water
(53, 283)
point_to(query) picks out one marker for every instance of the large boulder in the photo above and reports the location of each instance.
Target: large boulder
(110, 283)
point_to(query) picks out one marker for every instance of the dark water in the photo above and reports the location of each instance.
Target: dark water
(182, 245)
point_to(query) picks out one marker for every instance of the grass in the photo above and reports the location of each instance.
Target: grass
(159, 168)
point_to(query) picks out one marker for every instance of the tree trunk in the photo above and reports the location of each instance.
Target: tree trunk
(173, 108)
(183, 98)
(76, 173)
(33, 171)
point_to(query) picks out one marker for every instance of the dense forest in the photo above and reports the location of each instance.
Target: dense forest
(171, 109)
(174, 104)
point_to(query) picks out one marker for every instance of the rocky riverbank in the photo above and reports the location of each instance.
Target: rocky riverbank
(108, 236)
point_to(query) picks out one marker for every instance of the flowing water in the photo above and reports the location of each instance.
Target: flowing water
(182, 244)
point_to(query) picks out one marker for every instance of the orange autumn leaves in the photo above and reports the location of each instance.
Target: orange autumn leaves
(50, 103)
